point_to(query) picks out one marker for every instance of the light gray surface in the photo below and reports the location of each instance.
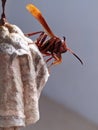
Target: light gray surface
(71, 84)
(56, 117)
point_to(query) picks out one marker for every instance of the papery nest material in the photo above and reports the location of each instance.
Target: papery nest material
(23, 74)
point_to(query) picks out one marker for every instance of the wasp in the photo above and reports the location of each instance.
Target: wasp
(53, 46)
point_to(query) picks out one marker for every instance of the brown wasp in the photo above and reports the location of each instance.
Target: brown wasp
(54, 46)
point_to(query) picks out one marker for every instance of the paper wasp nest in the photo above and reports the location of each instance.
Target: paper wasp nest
(23, 74)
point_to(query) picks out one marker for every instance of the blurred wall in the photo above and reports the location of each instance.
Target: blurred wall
(71, 84)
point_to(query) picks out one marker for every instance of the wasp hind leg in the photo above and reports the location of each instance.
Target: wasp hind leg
(32, 33)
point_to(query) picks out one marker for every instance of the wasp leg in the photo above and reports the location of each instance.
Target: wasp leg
(32, 33)
(49, 59)
(46, 54)
(57, 60)
(40, 41)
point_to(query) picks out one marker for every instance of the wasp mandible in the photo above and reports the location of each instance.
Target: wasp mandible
(54, 46)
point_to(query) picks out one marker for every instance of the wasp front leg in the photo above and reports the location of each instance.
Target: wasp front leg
(57, 59)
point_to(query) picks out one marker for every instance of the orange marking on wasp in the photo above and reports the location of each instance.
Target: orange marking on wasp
(54, 46)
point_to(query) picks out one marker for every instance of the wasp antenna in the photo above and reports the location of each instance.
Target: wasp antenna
(75, 55)
(64, 38)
